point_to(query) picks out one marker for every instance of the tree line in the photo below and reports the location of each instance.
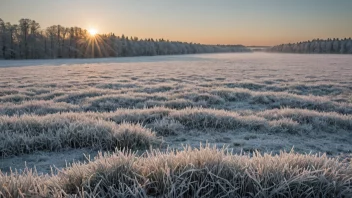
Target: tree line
(26, 40)
(317, 46)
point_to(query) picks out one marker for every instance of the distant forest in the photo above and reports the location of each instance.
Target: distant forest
(317, 46)
(27, 40)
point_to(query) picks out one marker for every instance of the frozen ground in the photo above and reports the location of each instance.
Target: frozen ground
(255, 101)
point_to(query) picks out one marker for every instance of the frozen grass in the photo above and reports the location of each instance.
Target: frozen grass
(173, 104)
(265, 101)
(330, 121)
(205, 172)
(207, 98)
(37, 107)
(112, 102)
(30, 133)
(27, 134)
(14, 98)
(143, 116)
(34, 130)
(208, 118)
(281, 120)
(167, 127)
(219, 98)
(76, 97)
(4, 92)
(279, 100)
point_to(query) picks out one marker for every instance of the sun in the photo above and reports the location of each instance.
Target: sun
(92, 32)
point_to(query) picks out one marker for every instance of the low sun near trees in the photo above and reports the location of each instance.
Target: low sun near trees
(27, 40)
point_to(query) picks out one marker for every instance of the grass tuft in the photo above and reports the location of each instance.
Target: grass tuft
(28, 134)
(37, 107)
(205, 172)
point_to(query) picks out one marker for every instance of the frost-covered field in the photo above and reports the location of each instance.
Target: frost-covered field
(52, 111)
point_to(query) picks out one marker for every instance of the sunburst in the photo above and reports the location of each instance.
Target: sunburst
(92, 32)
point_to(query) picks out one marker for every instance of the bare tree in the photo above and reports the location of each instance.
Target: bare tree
(24, 26)
(51, 34)
(3, 38)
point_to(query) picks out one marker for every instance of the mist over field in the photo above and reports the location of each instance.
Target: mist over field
(261, 123)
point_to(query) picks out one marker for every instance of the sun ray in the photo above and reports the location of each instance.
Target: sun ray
(93, 32)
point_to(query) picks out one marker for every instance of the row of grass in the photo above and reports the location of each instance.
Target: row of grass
(27, 134)
(53, 132)
(100, 101)
(204, 172)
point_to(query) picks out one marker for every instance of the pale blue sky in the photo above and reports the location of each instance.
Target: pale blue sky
(249, 22)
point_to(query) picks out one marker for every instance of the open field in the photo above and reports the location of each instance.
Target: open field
(56, 111)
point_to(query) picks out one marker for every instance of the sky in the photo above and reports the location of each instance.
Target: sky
(247, 22)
